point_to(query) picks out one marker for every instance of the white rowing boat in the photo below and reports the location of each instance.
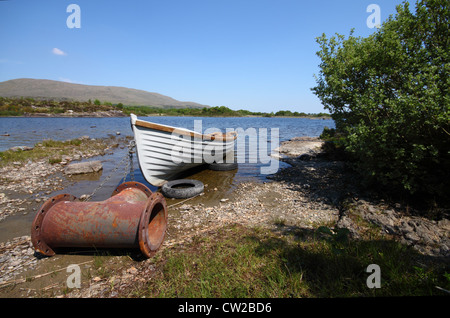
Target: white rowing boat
(165, 151)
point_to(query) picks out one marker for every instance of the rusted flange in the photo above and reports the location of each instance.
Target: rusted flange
(153, 224)
(132, 184)
(36, 228)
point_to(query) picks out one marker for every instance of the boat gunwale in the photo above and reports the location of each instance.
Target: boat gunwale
(218, 136)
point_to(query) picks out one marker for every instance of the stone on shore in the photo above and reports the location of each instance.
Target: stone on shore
(84, 167)
(20, 148)
(299, 146)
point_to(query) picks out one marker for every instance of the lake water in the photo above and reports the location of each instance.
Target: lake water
(29, 131)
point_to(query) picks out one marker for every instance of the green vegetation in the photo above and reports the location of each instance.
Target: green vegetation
(216, 111)
(50, 150)
(389, 96)
(238, 262)
(24, 106)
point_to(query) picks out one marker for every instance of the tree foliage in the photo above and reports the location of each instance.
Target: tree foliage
(10, 106)
(389, 95)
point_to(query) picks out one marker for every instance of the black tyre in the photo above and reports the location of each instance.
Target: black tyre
(223, 166)
(182, 188)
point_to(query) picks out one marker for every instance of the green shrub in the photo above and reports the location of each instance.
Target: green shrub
(57, 110)
(388, 94)
(334, 144)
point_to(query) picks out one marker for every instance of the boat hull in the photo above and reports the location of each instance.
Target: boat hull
(164, 152)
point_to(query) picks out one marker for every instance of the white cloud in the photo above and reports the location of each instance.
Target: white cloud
(57, 51)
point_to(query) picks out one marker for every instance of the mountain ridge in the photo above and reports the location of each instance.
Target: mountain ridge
(58, 90)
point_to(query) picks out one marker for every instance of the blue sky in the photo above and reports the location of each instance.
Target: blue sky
(248, 54)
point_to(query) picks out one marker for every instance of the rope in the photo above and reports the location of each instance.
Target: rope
(128, 159)
(184, 200)
(131, 151)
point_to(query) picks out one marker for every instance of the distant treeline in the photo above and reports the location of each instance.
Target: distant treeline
(218, 111)
(24, 106)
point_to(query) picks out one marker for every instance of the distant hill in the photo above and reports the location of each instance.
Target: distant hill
(59, 91)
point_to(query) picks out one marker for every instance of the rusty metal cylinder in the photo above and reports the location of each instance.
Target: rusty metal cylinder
(133, 217)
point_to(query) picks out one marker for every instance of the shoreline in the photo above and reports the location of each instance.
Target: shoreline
(314, 191)
(114, 113)
(40, 176)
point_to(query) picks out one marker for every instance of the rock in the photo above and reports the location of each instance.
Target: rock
(84, 197)
(84, 167)
(411, 236)
(66, 158)
(444, 224)
(21, 148)
(305, 157)
(405, 228)
(299, 146)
